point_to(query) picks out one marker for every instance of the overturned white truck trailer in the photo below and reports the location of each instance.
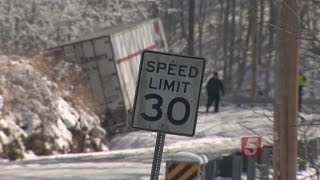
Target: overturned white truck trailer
(111, 60)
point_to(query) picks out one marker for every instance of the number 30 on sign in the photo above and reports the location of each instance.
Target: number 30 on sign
(251, 146)
(167, 95)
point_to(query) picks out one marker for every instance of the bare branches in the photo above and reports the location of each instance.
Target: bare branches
(255, 132)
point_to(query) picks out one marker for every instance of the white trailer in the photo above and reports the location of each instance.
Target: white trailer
(111, 61)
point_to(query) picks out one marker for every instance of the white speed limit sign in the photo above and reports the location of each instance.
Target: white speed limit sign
(167, 95)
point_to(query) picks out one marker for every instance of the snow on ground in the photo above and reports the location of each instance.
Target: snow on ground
(226, 127)
(131, 153)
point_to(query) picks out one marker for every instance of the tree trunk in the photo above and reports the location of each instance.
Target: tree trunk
(182, 23)
(242, 63)
(191, 29)
(286, 92)
(260, 36)
(254, 46)
(232, 39)
(202, 18)
(226, 42)
(271, 49)
(220, 33)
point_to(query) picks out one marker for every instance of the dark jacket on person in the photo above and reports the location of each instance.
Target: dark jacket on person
(214, 87)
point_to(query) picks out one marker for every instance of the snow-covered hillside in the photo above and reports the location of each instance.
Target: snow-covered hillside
(44, 110)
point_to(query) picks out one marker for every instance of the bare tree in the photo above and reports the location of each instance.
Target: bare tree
(226, 43)
(254, 46)
(202, 18)
(232, 42)
(260, 32)
(270, 47)
(244, 47)
(182, 19)
(220, 31)
(191, 28)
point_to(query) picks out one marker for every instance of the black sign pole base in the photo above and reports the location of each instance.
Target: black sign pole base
(157, 156)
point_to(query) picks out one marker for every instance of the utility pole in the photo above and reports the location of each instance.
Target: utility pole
(286, 91)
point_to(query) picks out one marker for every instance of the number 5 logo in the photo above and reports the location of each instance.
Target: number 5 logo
(251, 146)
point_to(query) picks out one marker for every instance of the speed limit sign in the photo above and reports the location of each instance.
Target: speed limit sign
(167, 95)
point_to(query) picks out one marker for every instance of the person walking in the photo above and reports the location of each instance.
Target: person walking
(214, 87)
(302, 80)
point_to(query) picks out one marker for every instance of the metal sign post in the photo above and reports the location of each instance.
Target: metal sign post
(158, 149)
(167, 97)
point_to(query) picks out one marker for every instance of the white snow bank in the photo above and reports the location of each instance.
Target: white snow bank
(214, 131)
(36, 118)
(68, 114)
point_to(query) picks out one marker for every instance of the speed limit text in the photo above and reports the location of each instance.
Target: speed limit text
(170, 69)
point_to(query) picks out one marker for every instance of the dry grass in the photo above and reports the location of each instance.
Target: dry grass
(84, 99)
(9, 103)
(73, 81)
(43, 64)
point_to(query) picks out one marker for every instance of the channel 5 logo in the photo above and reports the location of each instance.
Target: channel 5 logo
(251, 146)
